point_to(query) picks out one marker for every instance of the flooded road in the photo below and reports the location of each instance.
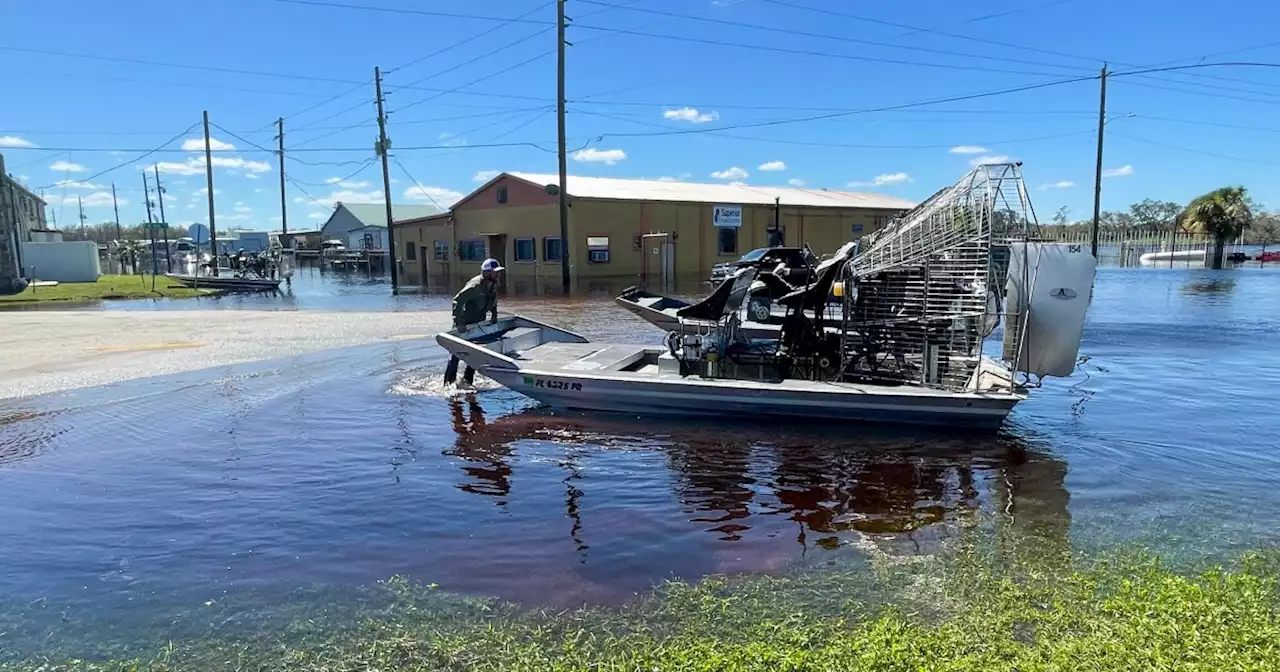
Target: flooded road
(131, 508)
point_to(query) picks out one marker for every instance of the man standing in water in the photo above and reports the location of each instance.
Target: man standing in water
(477, 298)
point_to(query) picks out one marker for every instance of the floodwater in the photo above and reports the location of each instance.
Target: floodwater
(131, 509)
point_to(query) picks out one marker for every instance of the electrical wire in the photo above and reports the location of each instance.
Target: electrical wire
(1194, 151)
(882, 22)
(144, 155)
(839, 38)
(400, 10)
(805, 52)
(421, 189)
(885, 108)
(1193, 92)
(803, 143)
(363, 167)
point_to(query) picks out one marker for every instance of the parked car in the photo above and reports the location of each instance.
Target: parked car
(1271, 257)
(799, 261)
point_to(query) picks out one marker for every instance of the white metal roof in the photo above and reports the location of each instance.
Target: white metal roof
(727, 194)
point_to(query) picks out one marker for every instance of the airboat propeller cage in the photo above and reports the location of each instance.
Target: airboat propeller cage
(930, 286)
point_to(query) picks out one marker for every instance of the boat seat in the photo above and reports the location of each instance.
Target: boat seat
(725, 300)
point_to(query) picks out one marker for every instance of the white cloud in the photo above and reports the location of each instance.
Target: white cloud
(969, 149)
(667, 178)
(485, 175)
(608, 157)
(24, 178)
(73, 184)
(691, 115)
(318, 215)
(191, 206)
(795, 182)
(14, 141)
(439, 195)
(240, 207)
(251, 176)
(884, 180)
(1063, 184)
(986, 160)
(197, 145)
(736, 183)
(1123, 171)
(195, 165)
(257, 191)
(772, 165)
(344, 196)
(204, 191)
(66, 167)
(733, 173)
(234, 218)
(451, 140)
(348, 184)
(95, 200)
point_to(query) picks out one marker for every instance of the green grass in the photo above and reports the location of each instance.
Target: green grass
(1130, 613)
(107, 287)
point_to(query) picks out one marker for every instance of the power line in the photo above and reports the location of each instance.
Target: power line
(1194, 92)
(886, 108)
(144, 155)
(400, 10)
(840, 38)
(421, 189)
(829, 12)
(363, 167)
(821, 54)
(803, 143)
(1195, 151)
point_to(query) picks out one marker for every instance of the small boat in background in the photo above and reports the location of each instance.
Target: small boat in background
(225, 283)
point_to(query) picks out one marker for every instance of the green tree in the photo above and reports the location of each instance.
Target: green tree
(1223, 214)
(1265, 229)
(1154, 216)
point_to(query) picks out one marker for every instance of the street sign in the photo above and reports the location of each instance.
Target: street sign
(155, 225)
(198, 233)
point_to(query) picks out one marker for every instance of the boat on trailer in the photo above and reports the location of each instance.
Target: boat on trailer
(916, 301)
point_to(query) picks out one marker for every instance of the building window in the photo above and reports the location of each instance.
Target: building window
(525, 250)
(442, 250)
(598, 249)
(410, 251)
(471, 250)
(551, 249)
(726, 240)
(502, 193)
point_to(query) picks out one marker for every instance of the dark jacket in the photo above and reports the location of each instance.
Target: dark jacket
(476, 299)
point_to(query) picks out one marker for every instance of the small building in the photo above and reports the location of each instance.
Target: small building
(349, 216)
(622, 228)
(21, 201)
(45, 236)
(372, 238)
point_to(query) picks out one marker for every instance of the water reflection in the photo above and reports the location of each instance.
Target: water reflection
(818, 487)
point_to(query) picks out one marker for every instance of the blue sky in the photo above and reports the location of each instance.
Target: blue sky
(459, 97)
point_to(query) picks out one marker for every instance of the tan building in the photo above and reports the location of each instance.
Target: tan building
(618, 229)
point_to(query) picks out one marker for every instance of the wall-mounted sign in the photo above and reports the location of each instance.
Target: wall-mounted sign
(857, 228)
(727, 216)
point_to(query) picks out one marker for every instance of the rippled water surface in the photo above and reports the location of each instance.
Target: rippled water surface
(128, 508)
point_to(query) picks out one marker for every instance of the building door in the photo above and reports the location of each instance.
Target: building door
(657, 267)
(498, 250)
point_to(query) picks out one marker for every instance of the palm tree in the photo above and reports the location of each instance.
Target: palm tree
(1223, 214)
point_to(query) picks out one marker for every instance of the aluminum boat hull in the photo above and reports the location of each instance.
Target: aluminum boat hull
(593, 377)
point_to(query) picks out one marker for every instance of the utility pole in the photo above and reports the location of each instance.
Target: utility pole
(1097, 178)
(284, 215)
(115, 205)
(564, 168)
(151, 232)
(84, 234)
(208, 176)
(383, 146)
(168, 258)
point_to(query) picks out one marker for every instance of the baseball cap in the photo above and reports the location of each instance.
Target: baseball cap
(491, 265)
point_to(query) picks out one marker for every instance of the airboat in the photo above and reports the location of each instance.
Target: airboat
(891, 328)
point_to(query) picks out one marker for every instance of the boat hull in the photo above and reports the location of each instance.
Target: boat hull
(564, 370)
(727, 399)
(226, 284)
(660, 311)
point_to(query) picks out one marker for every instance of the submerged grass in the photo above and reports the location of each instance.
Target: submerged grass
(973, 612)
(107, 287)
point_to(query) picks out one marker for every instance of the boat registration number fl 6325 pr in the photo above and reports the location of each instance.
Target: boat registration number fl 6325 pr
(553, 384)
